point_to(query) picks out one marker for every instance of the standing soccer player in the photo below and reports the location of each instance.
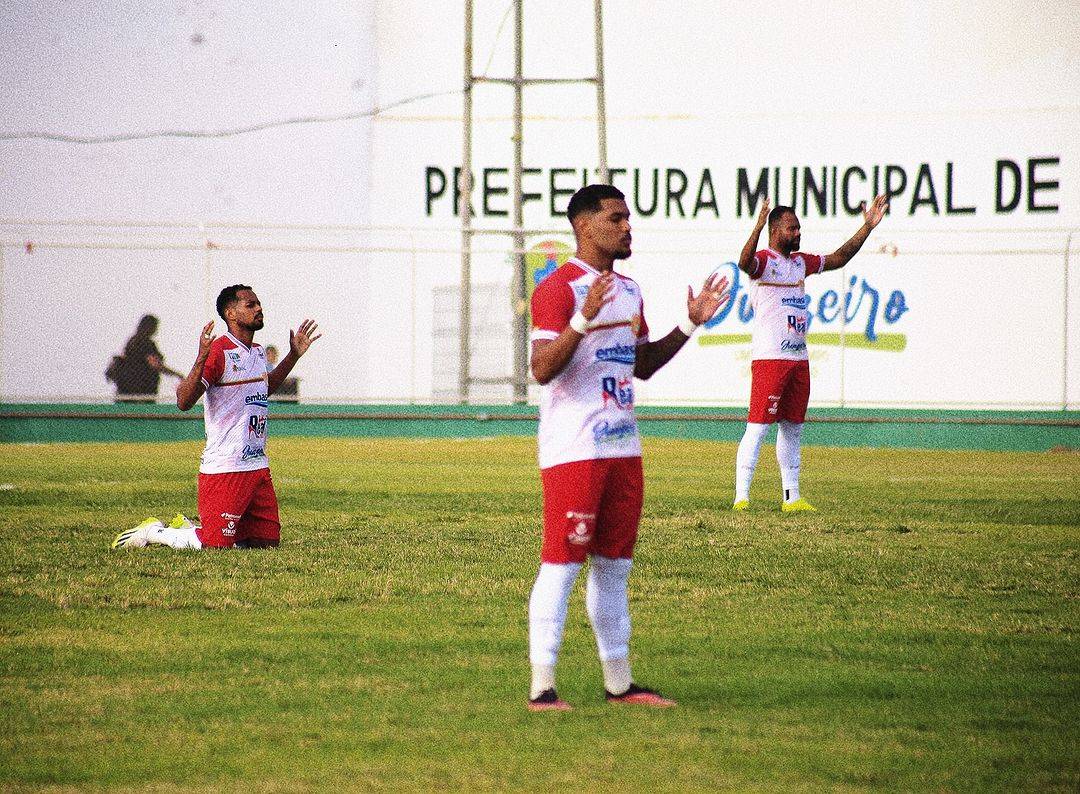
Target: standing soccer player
(780, 368)
(237, 502)
(589, 342)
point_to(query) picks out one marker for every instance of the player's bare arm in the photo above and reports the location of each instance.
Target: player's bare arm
(746, 258)
(190, 388)
(549, 356)
(299, 342)
(871, 218)
(651, 356)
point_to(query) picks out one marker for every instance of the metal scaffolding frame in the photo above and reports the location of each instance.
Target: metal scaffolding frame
(519, 374)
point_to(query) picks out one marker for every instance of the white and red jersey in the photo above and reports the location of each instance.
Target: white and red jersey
(779, 299)
(587, 410)
(234, 408)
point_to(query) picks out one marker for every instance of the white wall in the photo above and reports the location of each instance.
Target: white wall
(957, 101)
(114, 68)
(693, 89)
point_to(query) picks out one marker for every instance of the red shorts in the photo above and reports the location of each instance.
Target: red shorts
(238, 506)
(779, 390)
(591, 507)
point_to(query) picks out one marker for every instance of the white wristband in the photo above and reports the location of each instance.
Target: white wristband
(688, 327)
(579, 323)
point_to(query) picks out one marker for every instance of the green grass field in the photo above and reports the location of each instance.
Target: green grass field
(919, 633)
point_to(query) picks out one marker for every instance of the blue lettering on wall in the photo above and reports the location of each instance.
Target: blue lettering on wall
(861, 300)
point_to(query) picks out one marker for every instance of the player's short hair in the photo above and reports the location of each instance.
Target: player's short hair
(227, 297)
(779, 212)
(588, 199)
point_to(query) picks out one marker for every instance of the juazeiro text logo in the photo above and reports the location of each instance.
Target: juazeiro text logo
(861, 311)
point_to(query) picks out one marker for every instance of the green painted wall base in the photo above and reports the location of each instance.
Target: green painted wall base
(843, 427)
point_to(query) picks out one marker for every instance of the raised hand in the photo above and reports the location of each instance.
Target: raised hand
(763, 214)
(876, 211)
(714, 293)
(602, 291)
(206, 338)
(301, 339)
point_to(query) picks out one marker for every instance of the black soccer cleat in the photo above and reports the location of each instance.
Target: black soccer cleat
(548, 701)
(640, 696)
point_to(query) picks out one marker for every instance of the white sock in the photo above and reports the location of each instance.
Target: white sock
(177, 538)
(617, 678)
(747, 457)
(543, 679)
(609, 612)
(547, 617)
(788, 455)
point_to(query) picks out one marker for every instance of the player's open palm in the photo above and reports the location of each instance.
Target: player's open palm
(715, 292)
(600, 292)
(206, 338)
(876, 211)
(763, 214)
(300, 339)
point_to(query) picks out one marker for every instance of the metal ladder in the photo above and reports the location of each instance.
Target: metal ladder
(519, 374)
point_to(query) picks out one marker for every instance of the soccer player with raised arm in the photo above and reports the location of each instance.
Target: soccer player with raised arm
(589, 341)
(237, 503)
(780, 369)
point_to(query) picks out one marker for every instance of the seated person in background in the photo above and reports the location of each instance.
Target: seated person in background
(137, 372)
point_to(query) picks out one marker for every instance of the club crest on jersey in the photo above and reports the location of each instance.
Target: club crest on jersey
(796, 323)
(619, 391)
(257, 426)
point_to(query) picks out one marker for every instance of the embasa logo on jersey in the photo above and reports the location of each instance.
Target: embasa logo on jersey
(623, 354)
(619, 391)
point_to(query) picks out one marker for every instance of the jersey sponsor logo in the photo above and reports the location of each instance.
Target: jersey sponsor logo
(233, 355)
(796, 323)
(259, 398)
(623, 354)
(605, 432)
(251, 453)
(619, 391)
(229, 530)
(798, 303)
(792, 347)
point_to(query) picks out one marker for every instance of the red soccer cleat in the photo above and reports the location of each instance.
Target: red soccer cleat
(548, 701)
(640, 696)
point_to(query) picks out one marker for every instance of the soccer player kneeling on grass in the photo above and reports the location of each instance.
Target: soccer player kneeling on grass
(237, 503)
(589, 342)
